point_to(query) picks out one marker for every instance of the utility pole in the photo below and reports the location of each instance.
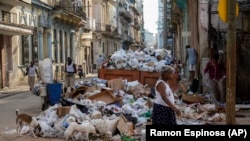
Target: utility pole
(165, 24)
(231, 63)
(209, 29)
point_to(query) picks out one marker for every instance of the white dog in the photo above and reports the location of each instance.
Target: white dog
(85, 128)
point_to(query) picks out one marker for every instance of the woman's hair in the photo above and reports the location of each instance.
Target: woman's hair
(166, 69)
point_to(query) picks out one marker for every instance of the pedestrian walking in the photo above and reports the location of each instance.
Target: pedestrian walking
(164, 108)
(80, 72)
(31, 72)
(217, 73)
(191, 57)
(100, 60)
(70, 70)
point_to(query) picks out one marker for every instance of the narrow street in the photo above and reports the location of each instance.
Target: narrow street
(20, 98)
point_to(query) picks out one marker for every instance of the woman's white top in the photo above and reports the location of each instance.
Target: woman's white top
(32, 71)
(169, 94)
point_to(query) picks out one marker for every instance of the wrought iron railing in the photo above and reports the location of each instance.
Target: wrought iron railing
(75, 7)
(8, 17)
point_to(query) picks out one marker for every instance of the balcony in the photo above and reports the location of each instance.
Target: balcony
(69, 12)
(9, 25)
(134, 8)
(15, 3)
(90, 24)
(136, 21)
(124, 12)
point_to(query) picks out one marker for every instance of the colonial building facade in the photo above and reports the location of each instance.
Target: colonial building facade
(32, 30)
(17, 25)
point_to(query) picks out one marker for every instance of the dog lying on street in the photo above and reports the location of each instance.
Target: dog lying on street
(24, 119)
(85, 128)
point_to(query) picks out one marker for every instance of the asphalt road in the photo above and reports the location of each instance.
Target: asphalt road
(20, 98)
(26, 102)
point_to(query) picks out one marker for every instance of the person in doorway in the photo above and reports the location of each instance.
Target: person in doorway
(31, 72)
(217, 73)
(191, 57)
(164, 108)
(100, 60)
(70, 70)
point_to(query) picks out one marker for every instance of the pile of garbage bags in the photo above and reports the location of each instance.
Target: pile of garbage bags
(139, 60)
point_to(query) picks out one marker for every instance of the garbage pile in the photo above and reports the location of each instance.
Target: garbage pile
(139, 60)
(117, 109)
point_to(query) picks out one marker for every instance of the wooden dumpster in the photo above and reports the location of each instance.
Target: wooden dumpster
(109, 74)
(144, 77)
(149, 78)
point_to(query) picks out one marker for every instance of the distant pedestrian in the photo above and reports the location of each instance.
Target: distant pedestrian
(31, 72)
(70, 70)
(217, 74)
(191, 57)
(80, 71)
(100, 60)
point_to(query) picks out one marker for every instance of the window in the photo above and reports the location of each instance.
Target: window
(25, 50)
(6, 16)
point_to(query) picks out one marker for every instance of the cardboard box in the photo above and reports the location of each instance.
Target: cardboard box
(62, 111)
(124, 126)
(105, 96)
(116, 84)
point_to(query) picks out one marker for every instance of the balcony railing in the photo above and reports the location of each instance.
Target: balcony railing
(124, 12)
(8, 17)
(72, 7)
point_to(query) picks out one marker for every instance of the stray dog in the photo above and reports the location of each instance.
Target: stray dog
(24, 119)
(85, 128)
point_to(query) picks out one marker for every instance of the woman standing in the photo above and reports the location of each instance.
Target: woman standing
(31, 71)
(164, 108)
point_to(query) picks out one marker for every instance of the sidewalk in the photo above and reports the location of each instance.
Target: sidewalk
(24, 88)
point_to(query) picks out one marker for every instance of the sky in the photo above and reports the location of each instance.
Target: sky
(150, 15)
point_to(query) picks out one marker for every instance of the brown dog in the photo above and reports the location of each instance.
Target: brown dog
(24, 119)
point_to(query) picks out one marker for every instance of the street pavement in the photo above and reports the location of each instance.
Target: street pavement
(21, 98)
